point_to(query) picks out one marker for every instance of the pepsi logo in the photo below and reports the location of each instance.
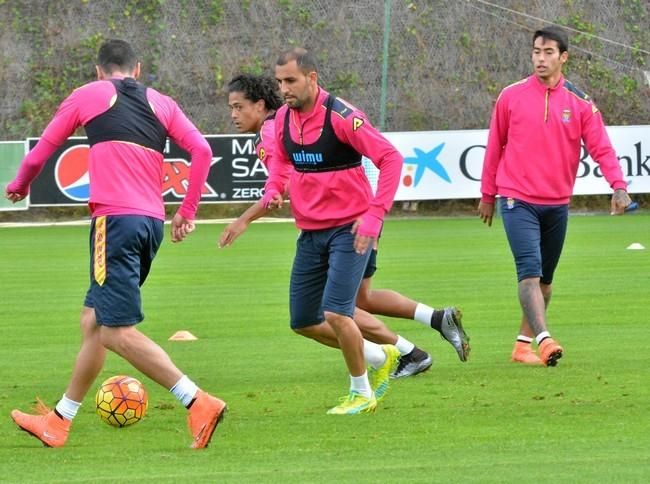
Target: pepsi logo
(71, 173)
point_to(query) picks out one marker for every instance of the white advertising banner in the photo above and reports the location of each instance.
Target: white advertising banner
(447, 164)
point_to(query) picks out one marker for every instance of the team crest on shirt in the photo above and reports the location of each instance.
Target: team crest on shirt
(356, 123)
(566, 116)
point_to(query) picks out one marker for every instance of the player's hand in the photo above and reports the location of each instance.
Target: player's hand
(620, 200)
(231, 232)
(14, 197)
(486, 212)
(275, 202)
(361, 242)
(181, 228)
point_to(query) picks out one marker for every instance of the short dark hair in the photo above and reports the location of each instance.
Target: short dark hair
(116, 54)
(255, 88)
(557, 34)
(304, 59)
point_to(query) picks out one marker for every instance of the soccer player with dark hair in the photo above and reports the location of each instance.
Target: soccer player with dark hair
(253, 101)
(127, 126)
(531, 162)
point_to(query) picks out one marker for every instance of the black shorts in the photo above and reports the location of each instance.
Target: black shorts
(536, 236)
(326, 275)
(371, 268)
(122, 248)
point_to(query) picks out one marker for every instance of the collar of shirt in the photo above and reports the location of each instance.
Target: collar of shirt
(543, 87)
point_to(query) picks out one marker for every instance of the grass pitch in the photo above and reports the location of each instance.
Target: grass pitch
(484, 421)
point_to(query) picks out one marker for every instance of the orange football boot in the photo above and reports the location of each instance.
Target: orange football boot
(523, 353)
(205, 414)
(48, 427)
(550, 351)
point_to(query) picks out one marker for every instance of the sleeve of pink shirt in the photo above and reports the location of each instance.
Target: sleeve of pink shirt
(359, 133)
(600, 147)
(63, 124)
(279, 167)
(497, 139)
(31, 166)
(266, 153)
(183, 132)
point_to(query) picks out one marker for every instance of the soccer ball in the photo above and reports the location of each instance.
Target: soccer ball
(121, 400)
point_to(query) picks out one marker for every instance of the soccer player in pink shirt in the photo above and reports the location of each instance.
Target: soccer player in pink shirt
(127, 126)
(531, 162)
(253, 102)
(319, 143)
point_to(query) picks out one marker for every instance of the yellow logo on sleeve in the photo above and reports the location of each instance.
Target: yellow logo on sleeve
(262, 154)
(356, 123)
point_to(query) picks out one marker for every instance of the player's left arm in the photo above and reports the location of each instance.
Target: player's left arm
(602, 152)
(278, 165)
(358, 132)
(61, 126)
(30, 167)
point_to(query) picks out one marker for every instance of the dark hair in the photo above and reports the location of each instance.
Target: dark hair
(553, 33)
(255, 88)
(303, 58)
(115, 54)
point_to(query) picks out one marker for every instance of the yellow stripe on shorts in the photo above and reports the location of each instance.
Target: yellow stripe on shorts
(99, 256)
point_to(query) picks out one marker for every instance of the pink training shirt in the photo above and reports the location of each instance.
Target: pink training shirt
(321, 200)
(125, 178)
(534, 143)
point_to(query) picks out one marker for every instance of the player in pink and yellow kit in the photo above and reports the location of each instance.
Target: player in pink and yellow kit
(319, 142)
(127, 126)
(531, 162)
(253, 101)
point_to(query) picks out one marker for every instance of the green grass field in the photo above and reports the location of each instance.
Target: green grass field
(487, 420)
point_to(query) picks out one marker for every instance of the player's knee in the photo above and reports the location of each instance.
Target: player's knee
(88, 321)
(363, 300)
(528, 281)
(358, 313)
(302, 332)
(116, 339)
(337, 321)
(307, 331)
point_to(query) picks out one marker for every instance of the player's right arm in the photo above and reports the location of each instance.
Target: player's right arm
(279, 167)
(257, 210)
(497, 139)
(239, 226)
(266, 153)
(187, 136)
